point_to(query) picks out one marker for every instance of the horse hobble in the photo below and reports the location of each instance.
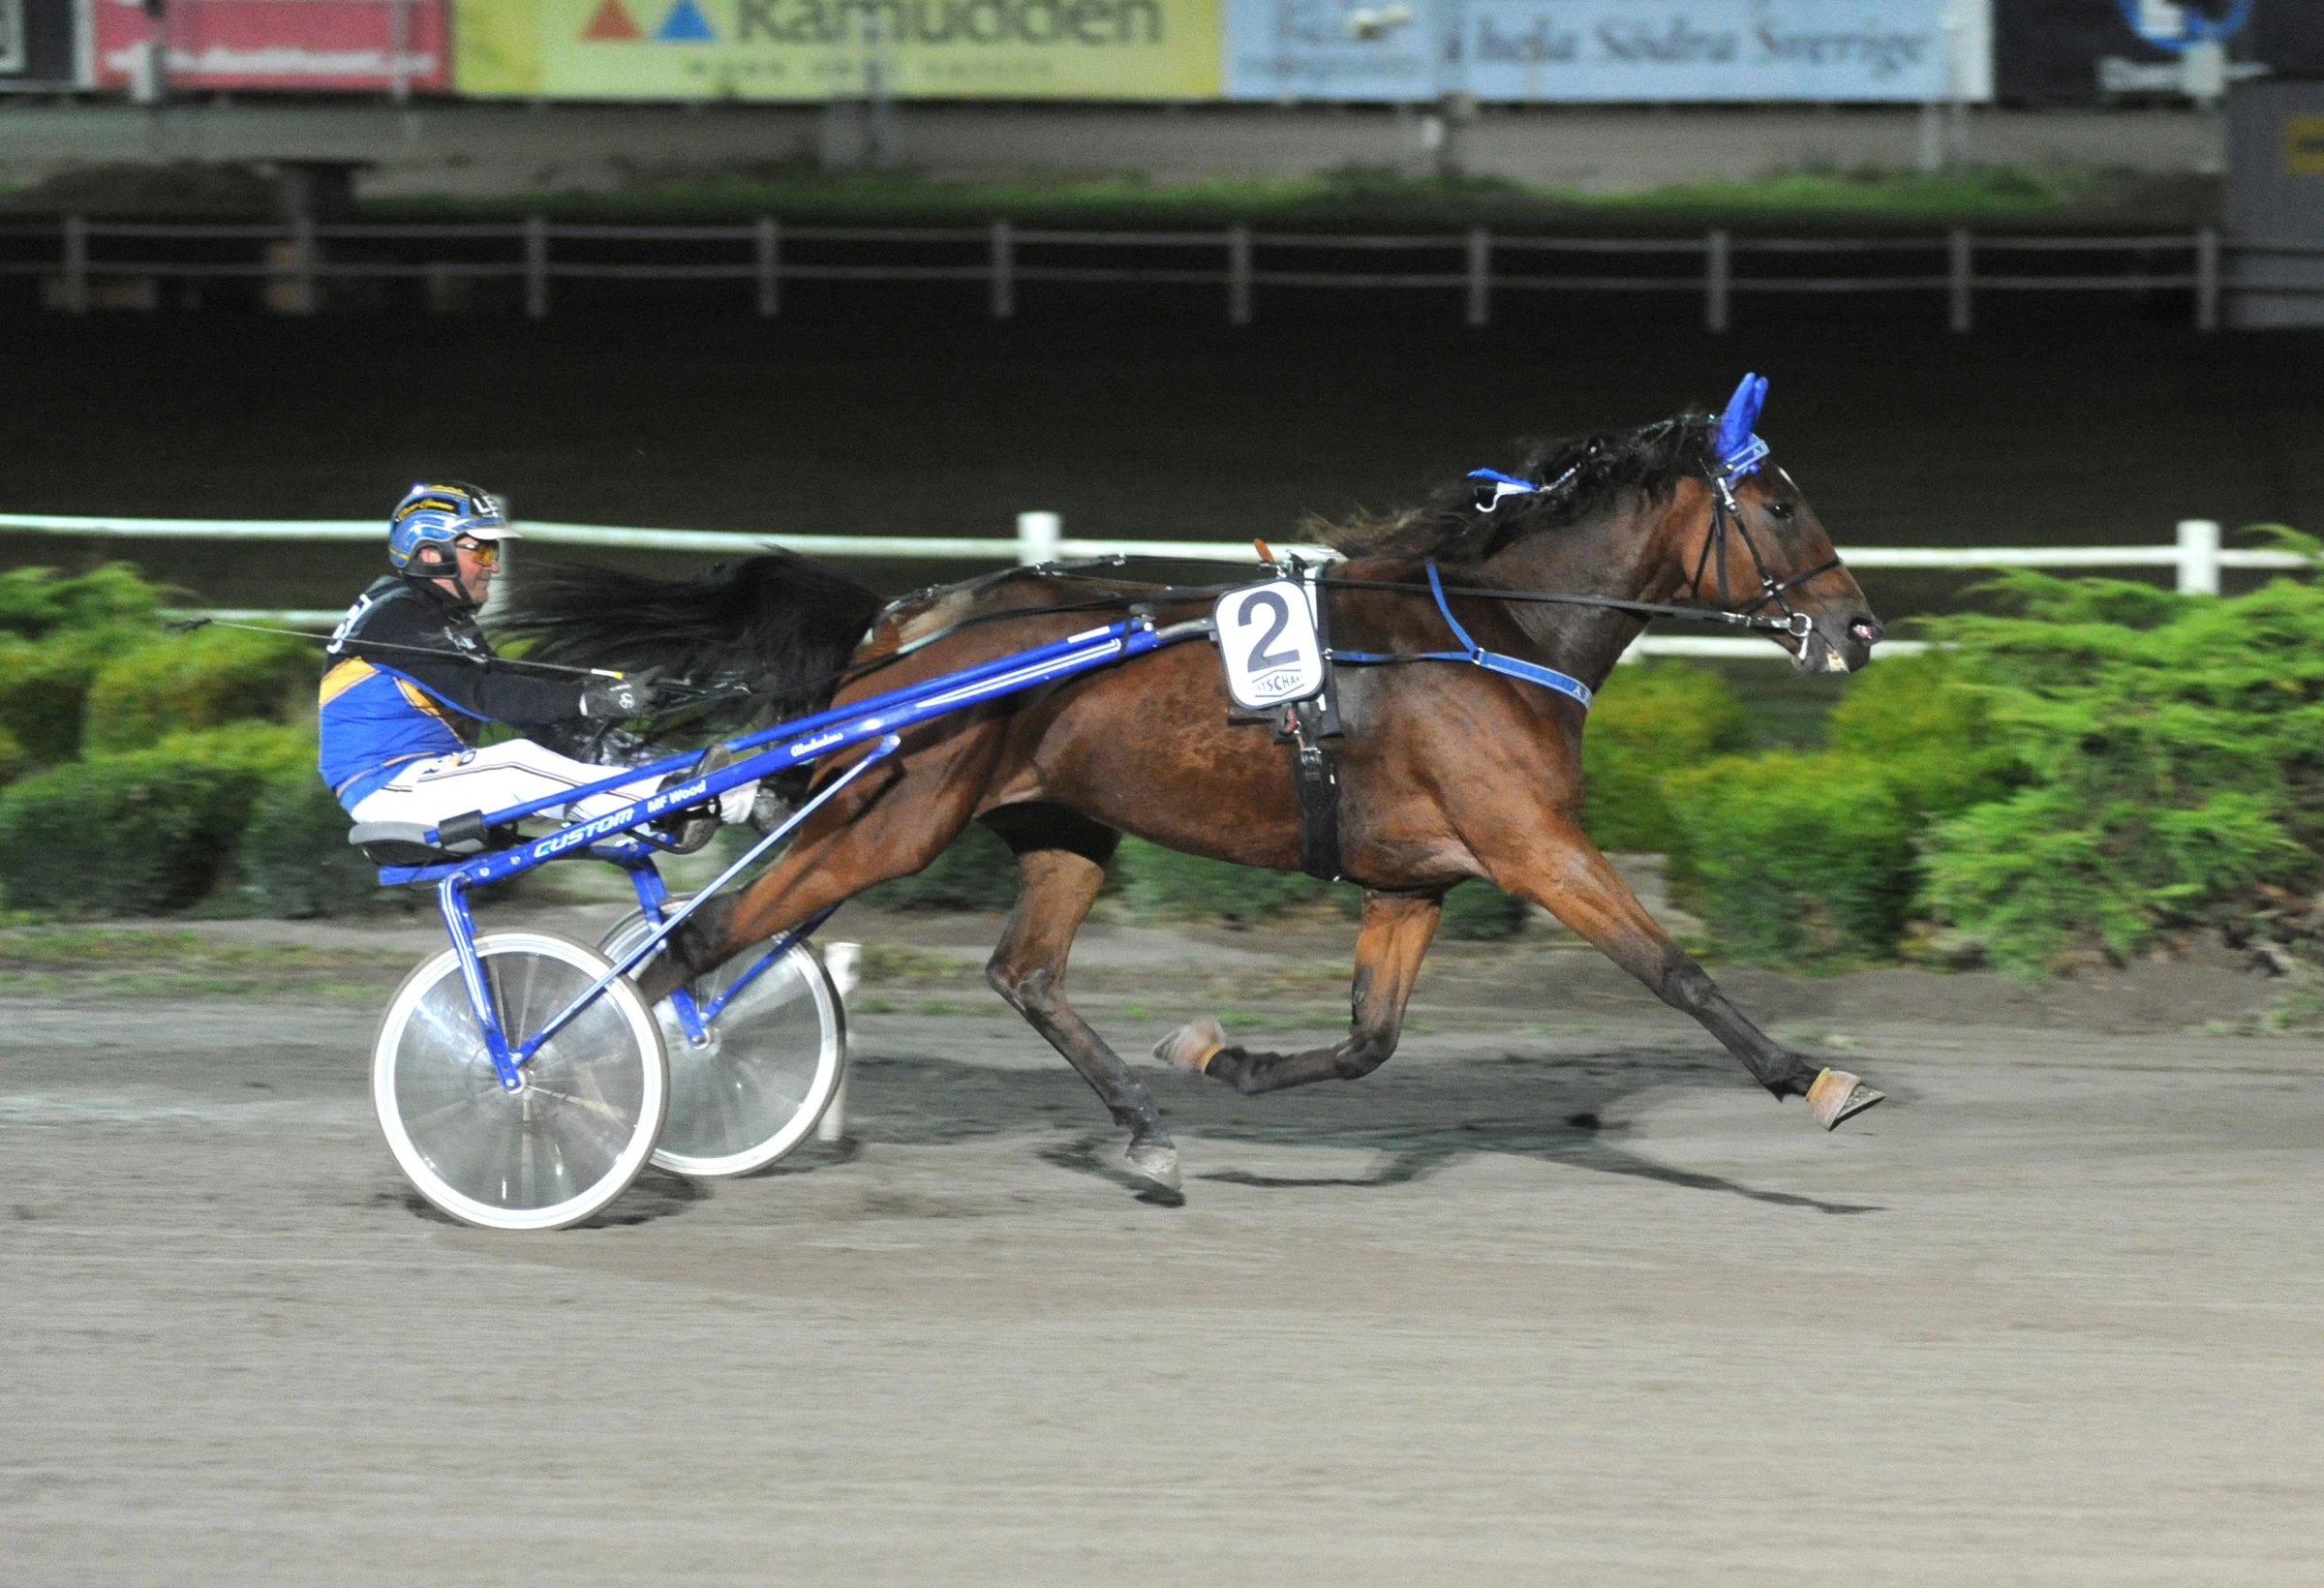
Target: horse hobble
(1451, 764)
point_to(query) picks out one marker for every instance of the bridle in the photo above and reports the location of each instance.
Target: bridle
(1725, 511)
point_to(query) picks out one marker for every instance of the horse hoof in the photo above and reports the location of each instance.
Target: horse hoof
(1837, 1095)
(1193, 1045)
(1157, 1161)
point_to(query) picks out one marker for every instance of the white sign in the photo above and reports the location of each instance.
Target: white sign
(1267, 642)
(11, 35)
(1641, 51)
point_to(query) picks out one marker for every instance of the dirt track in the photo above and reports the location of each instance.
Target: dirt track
(1554, 1297)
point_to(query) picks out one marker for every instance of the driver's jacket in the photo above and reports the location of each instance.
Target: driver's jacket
(412, 678)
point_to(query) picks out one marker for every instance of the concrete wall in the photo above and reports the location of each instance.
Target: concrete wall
(499, 149)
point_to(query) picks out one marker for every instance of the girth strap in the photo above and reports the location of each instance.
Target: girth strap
(1315, 774)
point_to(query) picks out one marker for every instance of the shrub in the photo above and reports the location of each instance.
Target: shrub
(202, 680)
(1928, 730)
(1651, 719)
(45, 685)
(1796, 859)
(54, 635)
(2171, 756)
(294, 858)
(35, 601)
(140, 833)
(13, 762)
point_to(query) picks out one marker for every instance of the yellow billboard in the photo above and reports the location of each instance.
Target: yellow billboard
(813, 49)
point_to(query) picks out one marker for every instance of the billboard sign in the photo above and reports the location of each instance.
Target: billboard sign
(362, 45)
(1641, 51)
(815, 50)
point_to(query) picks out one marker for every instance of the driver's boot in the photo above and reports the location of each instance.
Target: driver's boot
(689, 829)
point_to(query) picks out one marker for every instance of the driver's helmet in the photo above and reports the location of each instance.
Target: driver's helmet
(438, 515)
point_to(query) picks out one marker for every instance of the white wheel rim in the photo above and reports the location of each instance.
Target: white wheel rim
(771, 1069)
(557, 1151)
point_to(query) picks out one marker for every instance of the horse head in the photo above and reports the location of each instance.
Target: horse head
(1748, 541)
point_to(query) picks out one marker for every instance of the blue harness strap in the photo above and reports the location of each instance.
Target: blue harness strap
(1492, 662)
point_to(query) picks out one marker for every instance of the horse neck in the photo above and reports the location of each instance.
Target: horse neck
(1619, 554)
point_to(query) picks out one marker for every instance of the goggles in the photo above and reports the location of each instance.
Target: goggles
(485, 553)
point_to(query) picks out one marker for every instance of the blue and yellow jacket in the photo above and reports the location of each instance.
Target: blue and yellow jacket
(424, 692)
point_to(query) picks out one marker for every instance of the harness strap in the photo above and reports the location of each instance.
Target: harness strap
(1492, 662)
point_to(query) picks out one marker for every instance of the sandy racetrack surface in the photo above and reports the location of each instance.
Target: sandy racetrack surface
(1557, 1296)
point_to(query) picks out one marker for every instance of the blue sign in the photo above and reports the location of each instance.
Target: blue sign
(1641, 51)
(2169, 26)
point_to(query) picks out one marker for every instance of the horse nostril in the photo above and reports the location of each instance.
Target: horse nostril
(1867, 630)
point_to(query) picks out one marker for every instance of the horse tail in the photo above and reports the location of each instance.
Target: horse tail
(781, 624)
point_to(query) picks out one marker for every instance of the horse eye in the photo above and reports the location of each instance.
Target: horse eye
(1779, 509)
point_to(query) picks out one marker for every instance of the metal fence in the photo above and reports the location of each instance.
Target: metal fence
(85, 264)
(2195, 555)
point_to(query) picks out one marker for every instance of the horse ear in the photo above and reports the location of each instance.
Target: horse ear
(1742, 413)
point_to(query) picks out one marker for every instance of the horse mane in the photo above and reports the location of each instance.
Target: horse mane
(1589, 472)
(779, 622)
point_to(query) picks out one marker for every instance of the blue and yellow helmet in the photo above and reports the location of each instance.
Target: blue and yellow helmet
(439, 514)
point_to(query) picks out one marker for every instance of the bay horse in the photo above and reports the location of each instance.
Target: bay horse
(1447, 771)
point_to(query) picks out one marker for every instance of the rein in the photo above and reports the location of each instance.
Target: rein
(1492, 662)
(697, 693)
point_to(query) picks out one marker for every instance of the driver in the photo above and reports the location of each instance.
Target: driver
(414, 679)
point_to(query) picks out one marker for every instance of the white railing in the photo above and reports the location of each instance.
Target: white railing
(296, 262)
(2197, 555)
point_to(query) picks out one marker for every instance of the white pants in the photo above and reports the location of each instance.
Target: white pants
(499, 775)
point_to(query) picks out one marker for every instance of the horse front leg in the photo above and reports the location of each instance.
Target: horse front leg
(1388, 949)
(1564, 872)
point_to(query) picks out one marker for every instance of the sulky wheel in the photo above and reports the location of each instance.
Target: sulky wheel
(770, 1066)
(566, 1143)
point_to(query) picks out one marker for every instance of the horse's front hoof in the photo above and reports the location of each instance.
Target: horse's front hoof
(1157, 1161)
(1838, 1095)
(1193, 1045)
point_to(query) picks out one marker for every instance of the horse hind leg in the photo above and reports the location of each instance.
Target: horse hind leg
(1061, 860)
(1395, 938)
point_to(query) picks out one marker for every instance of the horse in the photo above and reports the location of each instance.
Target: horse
(1446, 771)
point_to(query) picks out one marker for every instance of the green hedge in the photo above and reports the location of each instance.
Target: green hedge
(45, 685)
(2167, 757)
(145, 833)
(1795, 859)
(204, 680)
(36, 601)
(295, 860)
(56, 635)
(1651, 719)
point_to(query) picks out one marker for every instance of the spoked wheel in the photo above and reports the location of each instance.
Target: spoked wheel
(767, 1070)
(566, 1143)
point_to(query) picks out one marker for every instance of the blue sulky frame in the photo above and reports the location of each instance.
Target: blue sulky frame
(612, 836)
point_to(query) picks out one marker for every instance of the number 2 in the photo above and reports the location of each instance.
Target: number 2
(1261, 659)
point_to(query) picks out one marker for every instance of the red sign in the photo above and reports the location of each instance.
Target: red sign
(357, 44)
